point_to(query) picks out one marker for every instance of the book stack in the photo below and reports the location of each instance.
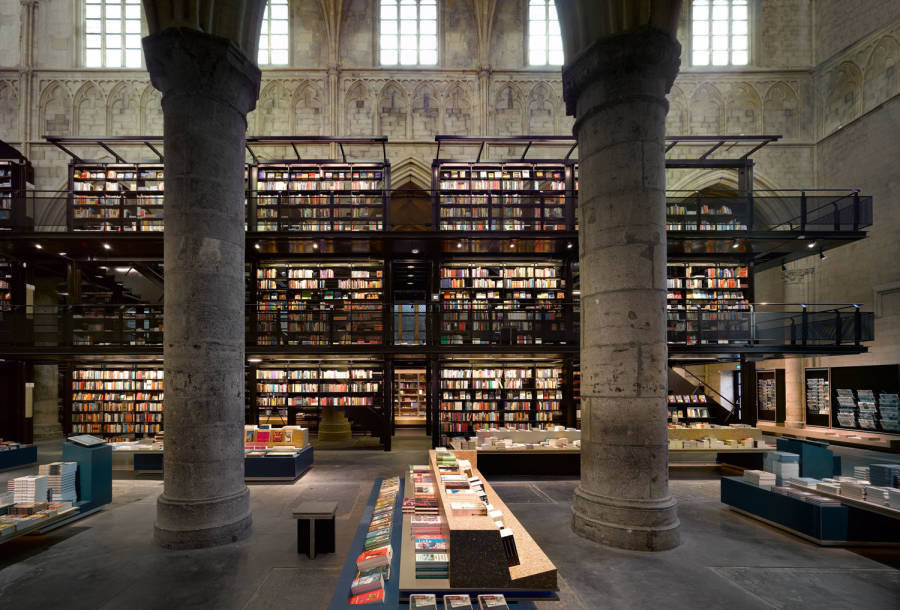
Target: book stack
(885, 475)
(877, 495)
(457, 602)
(856, 490)
(409, 506)
(760, 478)
(422, 601)
(374, 563)
(783, 464)
(29, 489)
(426, 525)
(861, 473)
(468, 509)
(432, 565)
(61, 480)
(509, 546)
(492, 601)
(893, 497)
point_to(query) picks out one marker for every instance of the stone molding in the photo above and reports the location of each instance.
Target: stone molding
(797, 276)
(182, 61)
(646, 51)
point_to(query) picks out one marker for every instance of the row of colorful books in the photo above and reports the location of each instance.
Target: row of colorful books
(374, 563)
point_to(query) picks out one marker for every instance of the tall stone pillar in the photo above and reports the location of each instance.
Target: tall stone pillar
(616, 88)
(795, 291)
(208, 86)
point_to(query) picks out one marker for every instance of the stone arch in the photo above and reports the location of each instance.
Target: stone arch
(359, 111)
(781, 111)
(426, 110)
(541, 110)
(509, 117)
(393, 111)
(458, 116)
(841, 99)
(272, 110)
(56, 110)
(706, 111)
(881, 79)
(677, 118)
(743, 110)
(151, 112)
(768, 209)
(90, 110)
(9, 111)
(411, 171)
(123, 110)
(307, 116)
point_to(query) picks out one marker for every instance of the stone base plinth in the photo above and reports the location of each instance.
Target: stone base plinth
(636, 525)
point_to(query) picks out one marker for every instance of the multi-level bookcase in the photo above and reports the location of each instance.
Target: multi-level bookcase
(503, 196)
(689, 408)
(6, 282)
(516, 396)
(116, 325)
(337, 303)
(508, 303)
(704, 212)
(15, 174)
(410, 397)
(116, 197)
(707, 302)
(320, 196)
(116, 401)
(7, 191)
(818, 397)
(296, 394)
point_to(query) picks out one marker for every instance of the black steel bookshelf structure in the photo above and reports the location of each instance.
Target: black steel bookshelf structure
(490, 289)
(16, 173)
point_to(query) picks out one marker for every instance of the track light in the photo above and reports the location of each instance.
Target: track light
(569, 245)
(459, 244)
(783, 266)
(256, 246)
(822, 254)
(512, 245)
(107, 247)
(39, 246)
(62, 253)
(735, 244)
(811, 244)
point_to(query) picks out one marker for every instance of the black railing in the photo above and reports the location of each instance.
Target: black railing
(140, 325)
(824, 210)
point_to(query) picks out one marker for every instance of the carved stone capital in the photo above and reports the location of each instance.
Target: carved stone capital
(183, 61)
(645, 54)
(796, 276)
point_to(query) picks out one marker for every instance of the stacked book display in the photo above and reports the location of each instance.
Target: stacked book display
(61, 480)
(29, 489)
(707, 301)
(117, 402)
(117, 197)
(374, 562)
(783, 464)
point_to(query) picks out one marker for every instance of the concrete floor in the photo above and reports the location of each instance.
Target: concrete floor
(108, 560)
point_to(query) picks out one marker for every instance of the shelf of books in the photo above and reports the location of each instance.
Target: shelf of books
(116, 197)
(503, 303)
(688, 408)
(8, 189)
(518, 396)
(117, 402)
(410, 397)
(504, 196)
(123, 325)
(6, 281)
(861, 409)
(703, 212)
(707, 303)
(297, 394)
(766, 395)
(320, 304)
(322, 196)
(818, 397)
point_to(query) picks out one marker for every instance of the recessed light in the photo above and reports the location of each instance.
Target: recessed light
(107, 247)
(315, 246)
(459, 244)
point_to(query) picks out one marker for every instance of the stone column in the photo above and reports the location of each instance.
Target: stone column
(616, 88)
(795, 291)
(208, 86)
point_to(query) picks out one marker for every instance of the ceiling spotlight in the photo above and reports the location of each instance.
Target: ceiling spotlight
(811, 244)
(254, 360)
(107, 247)
(103, 268)
(822, 254)
(459, 244)
(39, 246)
(569, 245)
(735, 244)
(415, 250)
(256, 246)
(123, 269)
(315, 246)
(783, 266)
(62, 253)
(512, 245)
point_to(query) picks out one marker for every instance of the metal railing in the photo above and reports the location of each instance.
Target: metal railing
(797, 211)
(131, 325)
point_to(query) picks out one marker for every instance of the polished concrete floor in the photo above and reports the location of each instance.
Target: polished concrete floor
(108, 560)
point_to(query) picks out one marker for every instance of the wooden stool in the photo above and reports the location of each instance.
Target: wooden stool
(315, 527)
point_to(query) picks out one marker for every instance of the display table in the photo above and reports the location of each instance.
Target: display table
(17, 458)
(538, 461)
(94, 479)
(824, 525)
(278, 468)
(41, 525)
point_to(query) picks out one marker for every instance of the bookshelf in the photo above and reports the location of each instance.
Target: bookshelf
(498, 303)
(516, 396)
(770, 395)
(321, 196)
(117, 325)
(116, 197)
(410, 397)
(117, 401)
(297, 394)
(502, 196)
(818, 397)
(707, 303)
(6, 282)
(320, 304)
(704, 212)
(688, 408)
(8, 188)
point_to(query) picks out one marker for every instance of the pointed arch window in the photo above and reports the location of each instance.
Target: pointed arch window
(720, 33)
(274, 45)
(408, 33)
(112, 34)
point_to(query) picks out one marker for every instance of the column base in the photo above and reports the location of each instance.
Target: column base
(635, 525)
(334, 426)
(197, 524)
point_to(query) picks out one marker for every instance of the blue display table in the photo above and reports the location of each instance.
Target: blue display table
(269, 468)
(16, 458)
(825, 525)
(817, 461)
